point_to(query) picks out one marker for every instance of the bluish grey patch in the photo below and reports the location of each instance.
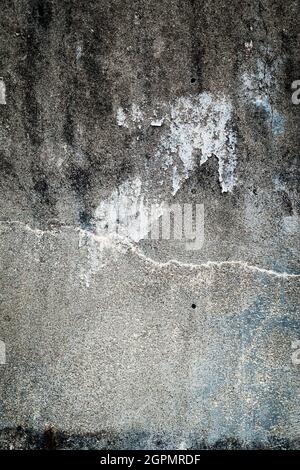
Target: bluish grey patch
(277, 123)
(253, 348)
(280, 268)
(275, 118)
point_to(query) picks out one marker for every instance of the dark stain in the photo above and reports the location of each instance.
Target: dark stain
(88, 90)
(81, 184)
(9, 174)
(38, 21)
(289, 46)
(290, 180)
(261, 120)
(124, 171)
(287, 204)
(43, 13)
(42, 188)
(49, 439)
(207, 175)
(197, 48)
(80, 180)
(95, 84)
(86, 219)
(68, 128)
(6, 168)
(43, 195)
(69, 77)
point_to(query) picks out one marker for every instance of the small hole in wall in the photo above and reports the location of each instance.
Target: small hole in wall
(193, 80)
(194, 305)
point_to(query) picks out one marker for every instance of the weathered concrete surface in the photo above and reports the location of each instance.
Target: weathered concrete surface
(109, 344)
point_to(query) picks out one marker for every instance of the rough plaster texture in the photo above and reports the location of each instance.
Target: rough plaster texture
(114, 341)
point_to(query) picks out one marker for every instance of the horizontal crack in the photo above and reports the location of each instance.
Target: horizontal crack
(117, 240)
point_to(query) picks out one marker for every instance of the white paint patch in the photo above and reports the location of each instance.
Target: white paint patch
(121, 117)
(157, 122)
(158, 47)
(118, 211)
(123, 216)
(249, 45)
(127, 213)
(134, 116)
(176, 181)
(136, 113)
(182, 446)
(2, 91)
(200, 127)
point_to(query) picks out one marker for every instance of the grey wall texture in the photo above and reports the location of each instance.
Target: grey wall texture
(110, 111)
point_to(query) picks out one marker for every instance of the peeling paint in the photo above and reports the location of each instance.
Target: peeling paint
(121, 117)
(200, 127)
(195, 128)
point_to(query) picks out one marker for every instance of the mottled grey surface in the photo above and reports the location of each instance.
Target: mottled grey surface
(114, 341)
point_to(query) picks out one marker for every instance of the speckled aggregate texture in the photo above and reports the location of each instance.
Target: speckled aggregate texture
(110, 110)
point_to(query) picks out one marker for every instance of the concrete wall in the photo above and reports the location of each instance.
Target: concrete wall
(111, 110)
